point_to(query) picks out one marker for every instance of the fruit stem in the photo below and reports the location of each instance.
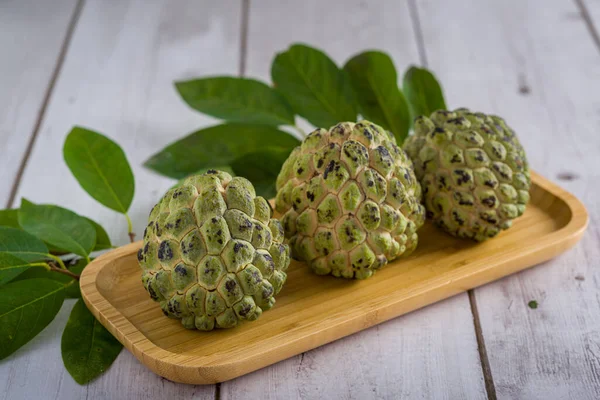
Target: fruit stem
(130, 229)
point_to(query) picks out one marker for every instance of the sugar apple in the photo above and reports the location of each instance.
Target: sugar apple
(350, 200)
(473, 172)
(212, 255)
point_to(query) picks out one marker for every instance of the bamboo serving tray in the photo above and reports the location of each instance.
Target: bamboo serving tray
(313, 310)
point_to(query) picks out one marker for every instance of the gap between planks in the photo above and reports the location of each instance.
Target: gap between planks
(589, 23)
(486, 369)
(42, 111)
(414, 16)
(244, 35)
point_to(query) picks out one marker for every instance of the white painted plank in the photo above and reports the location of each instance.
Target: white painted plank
(36, 370)
(118, 79)
(536, 65)
(31, 36)
(424, 354)
(413, 356)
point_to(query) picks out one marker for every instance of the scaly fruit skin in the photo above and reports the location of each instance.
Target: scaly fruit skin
(212, 254)
(473, 172)
(350, 200)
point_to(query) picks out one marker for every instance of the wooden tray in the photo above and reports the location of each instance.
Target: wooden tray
(313, 310)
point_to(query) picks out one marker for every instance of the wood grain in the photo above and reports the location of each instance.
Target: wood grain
(118, 78)
(31, 37)
(313, 310)
(538, 67)
(343, 29)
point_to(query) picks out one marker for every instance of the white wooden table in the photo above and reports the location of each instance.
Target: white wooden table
(110, 65)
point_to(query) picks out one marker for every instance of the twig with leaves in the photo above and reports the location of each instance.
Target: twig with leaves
(254, 138)
(35, 241)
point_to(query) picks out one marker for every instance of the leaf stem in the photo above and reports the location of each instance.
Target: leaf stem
(130, 228)
(40, 265)
(58, 261)
(300, 131)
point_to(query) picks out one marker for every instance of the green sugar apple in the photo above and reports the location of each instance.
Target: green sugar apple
(473, 172)
(212, 255)
(350, 200)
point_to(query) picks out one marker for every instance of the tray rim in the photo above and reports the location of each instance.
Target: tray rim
(165, 363)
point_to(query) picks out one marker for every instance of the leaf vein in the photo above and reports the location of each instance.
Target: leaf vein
(317, 94)
(87, 361)
(97, 167)
(388, 118)
(33, 301)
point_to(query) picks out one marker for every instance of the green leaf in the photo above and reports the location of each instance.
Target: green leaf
(237, 100)
(315, 87)
(9, 217)
(11, 266)
(21, 244)
(423, 92)
(102, 239)
(380, 100)
(72, 290)
(217, 145)
(100, 167)
(88, 349)
(55, 250)
(261, 168)
(42, 273)
(58, 226)
(26, 307)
